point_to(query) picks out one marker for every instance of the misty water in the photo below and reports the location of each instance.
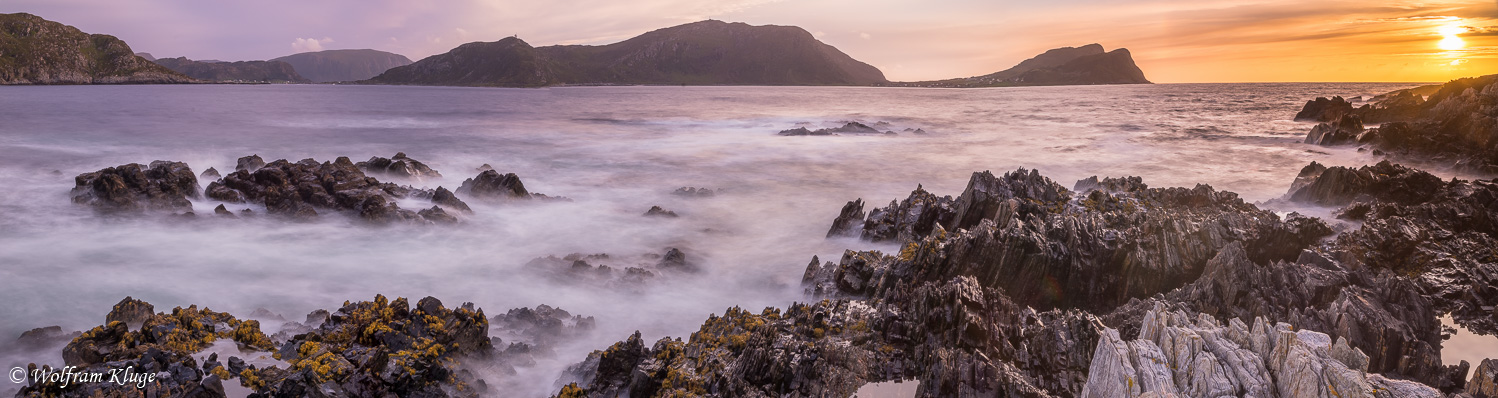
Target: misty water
(616, 151)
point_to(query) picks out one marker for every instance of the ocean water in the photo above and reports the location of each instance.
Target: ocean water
(616, 151)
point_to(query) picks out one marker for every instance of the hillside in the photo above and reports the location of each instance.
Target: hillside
(343, 65)
(700, 53)
(240, 72)
(37, 51)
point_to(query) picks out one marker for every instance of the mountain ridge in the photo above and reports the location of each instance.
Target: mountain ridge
(34, 50)
(343, 65)
(1083, 65)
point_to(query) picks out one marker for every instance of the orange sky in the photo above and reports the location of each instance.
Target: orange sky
(1172, 40)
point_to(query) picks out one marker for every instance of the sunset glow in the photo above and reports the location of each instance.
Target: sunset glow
(1449, 39)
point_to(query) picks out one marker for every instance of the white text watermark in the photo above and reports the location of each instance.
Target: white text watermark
(71, 375)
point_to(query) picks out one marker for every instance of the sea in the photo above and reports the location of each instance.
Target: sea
(614, 151)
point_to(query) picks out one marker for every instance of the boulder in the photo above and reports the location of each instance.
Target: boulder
(163, 186)
(398, 166)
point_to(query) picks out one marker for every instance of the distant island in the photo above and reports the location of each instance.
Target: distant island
(701, 53)
(1087, 64)
(343, 65)
(37, 51)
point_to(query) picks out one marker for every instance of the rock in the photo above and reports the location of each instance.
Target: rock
(1338, 186)
(44, 337)
(317, 317)
(224, 211)
(847, 128)
(849, 221)
(1484, 383)
(693, 192)
(1454, 128)
(131, 312)
(1049, 247)
(298, 190)
(210, 174)
(483, 168)
(445, 197)
(543, 326)
(398, 166)
(1324, 110)
(1342, 131)
(249, 163)
(437, 215)
(676, 260)
(131, 188)
(657, 211)
(1199, 357)
(494, 186)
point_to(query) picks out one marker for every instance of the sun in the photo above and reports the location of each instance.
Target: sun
(1449, 40)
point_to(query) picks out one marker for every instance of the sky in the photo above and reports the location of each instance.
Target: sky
(1173, 41)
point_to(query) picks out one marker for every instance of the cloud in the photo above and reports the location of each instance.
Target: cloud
(1480, 31)
(302, 45)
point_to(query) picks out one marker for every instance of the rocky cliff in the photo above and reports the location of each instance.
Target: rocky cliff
(37, 51)
(343, 65)
(242, 71)
(700, 53)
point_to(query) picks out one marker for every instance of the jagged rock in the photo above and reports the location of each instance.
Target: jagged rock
(849, 221)
(224, 211)
(543, 326)
(1454, 128)
(437, 215)
(657, 211)
(1338, 186)
(1324, 110)
(210, 174)
(1484, 383)
(298, 190)
(132, 188)
(1194, 355)
(490, 185)
(43, 337)
(1046, 246)
(398, 166)
(1337, 132)
(847, 128)
(483, 168)
(249, 163)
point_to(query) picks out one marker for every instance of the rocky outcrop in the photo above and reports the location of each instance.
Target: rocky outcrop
(398, 166)
(298, 190)
(1484, 383)
(492, 186)
(1046, 246)
(1087, 64)
(234, 72)
(157, 354)
(657, 211)
(37, 51)
(701, 53)
(1456, 127)
(1338, 132)
(846, 128)
(163, 186)
(1183, 354)
(1414, 223)
(694, 192)
(613, 272)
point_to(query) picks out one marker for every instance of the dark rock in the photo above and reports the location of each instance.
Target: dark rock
(676, 260)
(398, 166)
(437, 215)
(484, 167)
(847, 128)
(1386, 181)
(224, 211)
(693, 192)
(249, 163)
(299, 190)
(1455, 128)
(317, 317)
(130, 311)
(1342, 131)
(132, 188)
(849, 221)
(1484, 383)
(1082, 65)
(492, 185)
(657, 211)
(44, 337)
(1324, 110)
(802, 131)
(210, 174)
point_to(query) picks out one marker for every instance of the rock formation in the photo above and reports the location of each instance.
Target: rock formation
(398, 166)
(132, 188)
(298, 190)
(492, 186)
(37, 51)
(1457, 127)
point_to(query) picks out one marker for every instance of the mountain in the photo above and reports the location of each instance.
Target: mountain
(242, 71)
(1087, 64)
(147, 56)
(701, 53)
(37, 51)
(343, 65)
